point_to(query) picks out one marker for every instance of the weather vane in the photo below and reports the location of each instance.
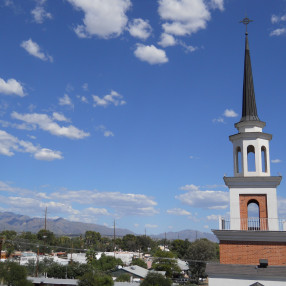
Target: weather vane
(246, 21)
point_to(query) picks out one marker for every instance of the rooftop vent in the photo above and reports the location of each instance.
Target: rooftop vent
(263, 263)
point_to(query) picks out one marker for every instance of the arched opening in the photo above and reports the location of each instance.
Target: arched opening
(251, 158)
(238, 160)
(253, 215)
(264, 159)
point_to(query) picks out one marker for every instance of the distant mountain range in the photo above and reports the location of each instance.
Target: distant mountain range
(60, 226)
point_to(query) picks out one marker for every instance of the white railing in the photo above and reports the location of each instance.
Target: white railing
(252, 223)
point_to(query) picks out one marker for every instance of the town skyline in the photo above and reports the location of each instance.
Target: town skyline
(123, 110)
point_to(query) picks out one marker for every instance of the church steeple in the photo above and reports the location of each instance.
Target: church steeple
(249, 111)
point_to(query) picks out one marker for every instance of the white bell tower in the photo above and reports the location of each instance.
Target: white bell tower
(252, 182)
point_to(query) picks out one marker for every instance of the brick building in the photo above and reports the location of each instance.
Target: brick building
(253, 240)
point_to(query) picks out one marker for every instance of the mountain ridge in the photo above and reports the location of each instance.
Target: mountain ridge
(61, 226)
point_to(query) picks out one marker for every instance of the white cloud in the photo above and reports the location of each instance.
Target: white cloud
(47, 155)
(102, 18)
(65, 100)
(11, 86)
(183, 17)
(46, 123)
(106, 133)
(217, 4)
(278, 32)
(218, 120)
(82, 98)
(34, 49)
(85, 86)
(230, 113)
(178, 211)
(136, 225)
(139, 28)
(188, 48)
(275, 161)
(60, 117)
(276, 19)
(213, 217)
(282, 206)
(113, 98)
(167, 40)
(150, 54)
(203, 199)
(123, 204)
(39, 13)
(190, 188)
(10, 144)
(151, 225)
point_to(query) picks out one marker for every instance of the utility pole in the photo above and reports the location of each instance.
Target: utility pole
(37, 267)
(165, 242)
(46, 218)
(114, 237)
(1, 241)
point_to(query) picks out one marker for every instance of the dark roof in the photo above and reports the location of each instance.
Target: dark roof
(249, 111)
(237, 271)
(256, 284)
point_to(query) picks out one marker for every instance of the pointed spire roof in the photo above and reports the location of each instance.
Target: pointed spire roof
(249, 111)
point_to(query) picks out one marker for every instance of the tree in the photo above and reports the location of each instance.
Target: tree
(14, 274)
(130, 243)
(97, 279)
(107, 263)
(139, 262)
(179, 247)
(201, 250)
(90, 256)
(46, 236)
(156, 279)
(124, 277)
(166, 261)
(92, 238)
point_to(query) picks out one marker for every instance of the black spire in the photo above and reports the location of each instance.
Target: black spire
(249, 111)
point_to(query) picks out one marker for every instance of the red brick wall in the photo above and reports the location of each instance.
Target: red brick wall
(243, 252)
(243, 204)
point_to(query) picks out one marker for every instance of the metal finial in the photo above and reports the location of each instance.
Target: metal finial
(246, 21)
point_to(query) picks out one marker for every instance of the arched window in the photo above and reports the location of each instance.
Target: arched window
(263, 159)
(238, 160)
(251, 158)
(253, 216)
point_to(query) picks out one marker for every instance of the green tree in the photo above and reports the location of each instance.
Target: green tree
(130, 243)
(46, 236)
(139, 262)
(92, 239)
(90, 256)
(95, 279)
(201, 250)
(124, 277)
(107, 263)
(13, 274)
(179, 247)
(165, 261)
(156, 279)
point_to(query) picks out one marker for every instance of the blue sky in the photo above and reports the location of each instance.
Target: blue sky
(121, 109)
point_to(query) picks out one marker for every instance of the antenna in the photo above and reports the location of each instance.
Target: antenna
(46, 218)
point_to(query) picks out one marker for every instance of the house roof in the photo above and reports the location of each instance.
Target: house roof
(53, 281)
(236, 271)
(136, 270)
(256, 284)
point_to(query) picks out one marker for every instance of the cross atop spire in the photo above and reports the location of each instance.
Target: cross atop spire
(246, 21)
